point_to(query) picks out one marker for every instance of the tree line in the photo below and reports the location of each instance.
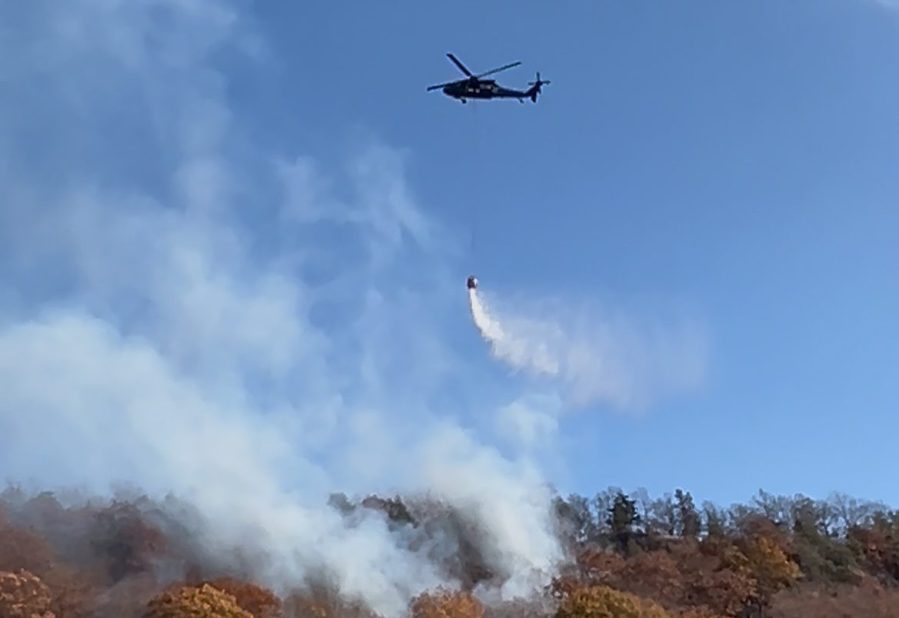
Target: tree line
(773, 556)
(632, 556)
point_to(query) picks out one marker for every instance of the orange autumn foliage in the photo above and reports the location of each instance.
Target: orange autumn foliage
(446, 604)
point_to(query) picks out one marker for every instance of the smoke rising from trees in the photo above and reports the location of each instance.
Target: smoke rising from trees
(233, 332)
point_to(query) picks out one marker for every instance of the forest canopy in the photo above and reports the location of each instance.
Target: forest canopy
(631, 556)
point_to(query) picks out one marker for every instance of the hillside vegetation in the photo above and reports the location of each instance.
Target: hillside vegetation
(632, 557)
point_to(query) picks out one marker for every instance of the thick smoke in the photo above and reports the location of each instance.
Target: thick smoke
(593, 356)
(187, 312)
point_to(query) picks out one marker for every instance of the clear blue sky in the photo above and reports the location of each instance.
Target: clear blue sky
(736, 159)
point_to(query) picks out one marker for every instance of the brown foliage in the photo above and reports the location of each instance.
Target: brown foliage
(687, 574)
(127, 543)
(193, 601)
(446, 604)
(304, 607)
(758, 526)
(22, 549)
(721, 591)
(604, 602)
(877, 547)
(868, 601)
(520, 608)
(71, 591)
(598, 563)
(697, 612)
(24, 595)
(323, 601)
(653, 575)
(74, 593)
(126, 599)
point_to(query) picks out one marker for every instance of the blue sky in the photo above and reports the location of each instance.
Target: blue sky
(736, 159)
(730, 164)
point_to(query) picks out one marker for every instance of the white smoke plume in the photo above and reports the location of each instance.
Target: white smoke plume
(593, 357)
(185, 311)
(525, 347)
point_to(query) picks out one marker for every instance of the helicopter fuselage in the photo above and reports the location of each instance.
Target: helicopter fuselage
(482, 89)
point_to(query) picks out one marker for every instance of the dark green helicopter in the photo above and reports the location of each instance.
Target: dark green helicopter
(473, 87)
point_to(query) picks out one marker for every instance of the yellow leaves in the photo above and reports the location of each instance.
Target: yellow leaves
(759, 568)
(604, 602)
(195, 602)
(735, 560)
(24, 595)
(771, 566)
(762, 559)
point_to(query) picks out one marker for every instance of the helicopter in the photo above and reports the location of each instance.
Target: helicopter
(474, 87)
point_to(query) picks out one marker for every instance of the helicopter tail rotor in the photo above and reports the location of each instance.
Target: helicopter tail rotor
(536, 87)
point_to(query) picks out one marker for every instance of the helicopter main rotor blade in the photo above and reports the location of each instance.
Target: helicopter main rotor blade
(460, 65)
(492, 71)
(435, 87)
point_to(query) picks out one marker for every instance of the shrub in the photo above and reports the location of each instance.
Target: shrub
(446, 604)
(604, 602)
(24, 595)
(195, 602)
